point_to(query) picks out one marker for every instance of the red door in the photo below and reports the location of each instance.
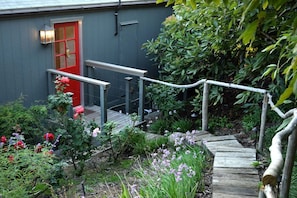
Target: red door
(67, 55)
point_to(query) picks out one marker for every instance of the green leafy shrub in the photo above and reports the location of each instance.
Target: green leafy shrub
(25, 172)
(160, 126)
(216, 122)
(182, 125)
(75, 135)
(251, 120)
(14, 116)
(165, 99)
(76, 143)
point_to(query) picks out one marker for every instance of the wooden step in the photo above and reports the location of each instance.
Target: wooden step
(233, 172)
(216, 143)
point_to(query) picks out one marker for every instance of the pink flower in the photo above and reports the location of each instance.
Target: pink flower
(64, 80)
(3, 139)
(49, 137)
(78, 111)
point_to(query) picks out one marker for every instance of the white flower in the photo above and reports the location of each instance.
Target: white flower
(95, 132)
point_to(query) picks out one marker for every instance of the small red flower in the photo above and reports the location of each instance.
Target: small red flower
(3, 139)
(49, 137)
(10, 158)
(19, 145)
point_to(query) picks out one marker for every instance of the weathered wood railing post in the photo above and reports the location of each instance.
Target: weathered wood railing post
(289, 164)
(127, 94)
(263, 122)
(205, 106)
(274, 169)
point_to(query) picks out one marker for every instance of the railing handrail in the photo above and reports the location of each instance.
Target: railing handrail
(115, 68)
(213, 82)
(102, 84)
(80, 78)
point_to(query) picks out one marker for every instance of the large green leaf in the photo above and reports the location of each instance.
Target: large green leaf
(252, 5)
(288, 92)
(285, 95)
(277, 4)
(265, 4)
(249, 33)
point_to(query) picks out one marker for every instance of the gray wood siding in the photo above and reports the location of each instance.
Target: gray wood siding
(23, 60)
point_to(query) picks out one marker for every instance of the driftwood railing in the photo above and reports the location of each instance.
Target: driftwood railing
(103, 88)
(274, 170)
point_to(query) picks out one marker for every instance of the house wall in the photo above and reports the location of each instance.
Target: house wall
(23, 60)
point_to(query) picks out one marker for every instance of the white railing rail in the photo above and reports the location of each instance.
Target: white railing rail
(205, 98)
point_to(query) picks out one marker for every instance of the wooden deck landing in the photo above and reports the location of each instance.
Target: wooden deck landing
(233, 173)
(122, 120)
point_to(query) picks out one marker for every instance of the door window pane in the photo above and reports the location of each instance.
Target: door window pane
(60, 48)
(59, 33)
(71, 60)
(69, 32)
(71, 46)
(60, 62)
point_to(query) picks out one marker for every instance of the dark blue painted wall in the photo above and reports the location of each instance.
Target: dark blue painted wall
(23, 60)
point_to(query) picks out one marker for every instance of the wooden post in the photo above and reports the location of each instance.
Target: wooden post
(263, 121)
(271, 174)
(205, 107)
(289, 164)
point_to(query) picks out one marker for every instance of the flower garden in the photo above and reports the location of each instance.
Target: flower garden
(47, 153)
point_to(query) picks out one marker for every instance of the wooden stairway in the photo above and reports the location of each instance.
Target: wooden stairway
(233, 173)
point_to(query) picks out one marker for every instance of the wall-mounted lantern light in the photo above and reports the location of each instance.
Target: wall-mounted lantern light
(47, 35)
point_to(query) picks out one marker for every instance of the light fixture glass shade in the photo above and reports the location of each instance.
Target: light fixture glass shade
(47, 35)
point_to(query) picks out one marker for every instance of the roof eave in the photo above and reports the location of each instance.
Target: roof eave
(73, 7)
